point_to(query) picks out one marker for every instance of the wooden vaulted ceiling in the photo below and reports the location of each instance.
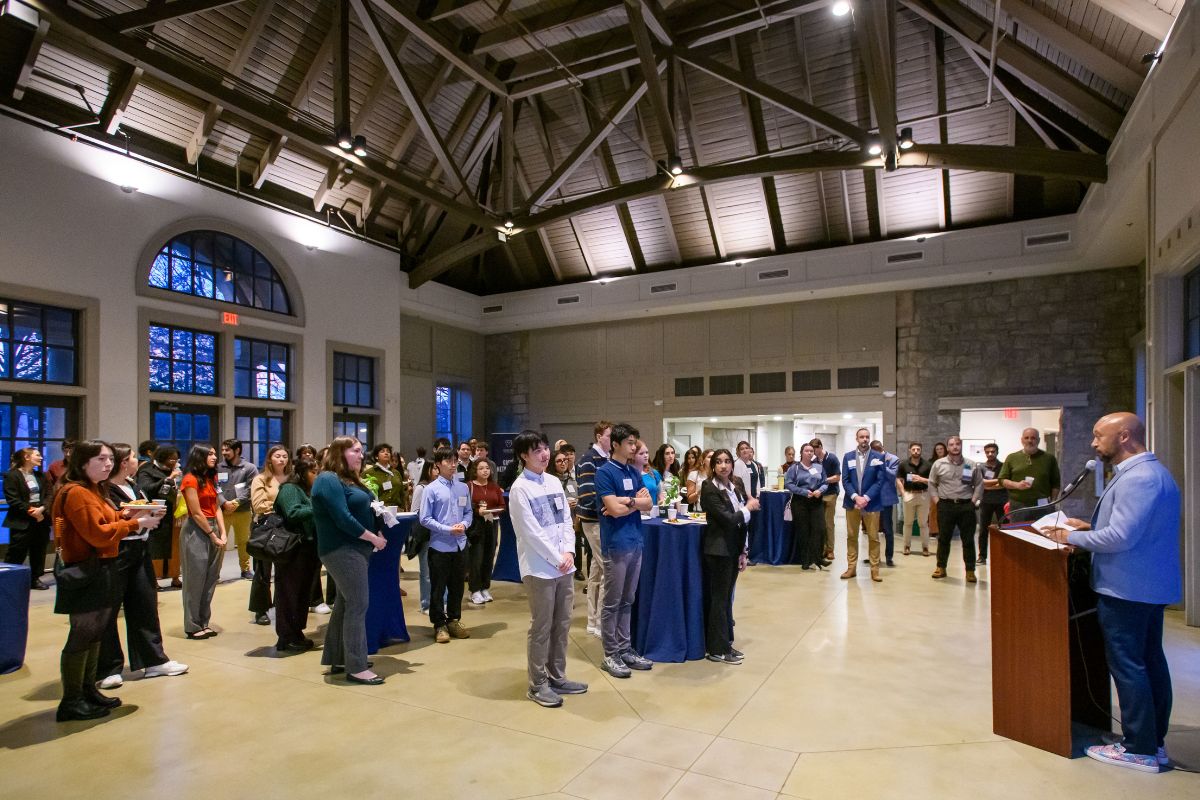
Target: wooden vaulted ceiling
(565, 118)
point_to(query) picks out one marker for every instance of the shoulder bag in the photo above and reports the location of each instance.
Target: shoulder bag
(270, 540)
(87, 585)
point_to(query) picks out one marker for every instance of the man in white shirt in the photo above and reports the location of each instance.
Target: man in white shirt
(415, 466)
(545, 551)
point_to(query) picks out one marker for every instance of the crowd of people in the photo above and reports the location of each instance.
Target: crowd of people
(125, 520)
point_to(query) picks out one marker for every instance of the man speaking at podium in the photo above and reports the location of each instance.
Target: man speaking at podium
(1134, 541)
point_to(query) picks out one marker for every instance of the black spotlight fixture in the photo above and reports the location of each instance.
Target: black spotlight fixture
(675, 165)
(360, 146)
(906, 139)
(344, 140)
(874, 146)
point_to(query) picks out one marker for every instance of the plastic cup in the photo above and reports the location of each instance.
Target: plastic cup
(672, 514)
(683, 509)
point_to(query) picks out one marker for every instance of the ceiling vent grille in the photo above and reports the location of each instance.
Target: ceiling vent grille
(568, 300)
(1048, 239)
(662, 288)
(773, 274)
(906, 258)
(492, 309)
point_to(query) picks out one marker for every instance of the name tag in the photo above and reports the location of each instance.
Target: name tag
(462, 502)
(876, 463)
(852, 465)
(237, 487)
(908, 477)
(387, 486)
(814, 471)
(222, 476)
(989, 474)
(558, 504)
(627, 484)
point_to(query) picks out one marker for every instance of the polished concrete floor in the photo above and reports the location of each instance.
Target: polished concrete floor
(849, 690)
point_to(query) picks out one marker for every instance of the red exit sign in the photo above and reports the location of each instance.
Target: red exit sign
(1009, 413)
(229, 318)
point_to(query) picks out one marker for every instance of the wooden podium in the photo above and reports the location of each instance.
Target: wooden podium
(1048, 664)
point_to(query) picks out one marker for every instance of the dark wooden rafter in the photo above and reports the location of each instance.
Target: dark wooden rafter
(744, 58)
(606, 171)
(1141, 14)
(1099, 113)
(124, 83)
(643, 143)
(316, 67)
(598, 131)
(520, 26)
(404, 14)
(161, 12)
(424, 121)
(508, 157)
(697, 148)
(937, 82)
(538, 114)
(241, 55)
(32, 45)
(650, 68)
(799, 43)
(212, 90)
(874, 35)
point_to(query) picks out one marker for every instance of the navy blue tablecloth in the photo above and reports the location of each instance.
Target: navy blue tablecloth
(385, 613)
(14, 615)
(770, 534)
(507, 568)
(668, 615)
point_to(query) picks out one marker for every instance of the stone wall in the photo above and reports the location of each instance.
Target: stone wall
(506, 393)
(1049, 335)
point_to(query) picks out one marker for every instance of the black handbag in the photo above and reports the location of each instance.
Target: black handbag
(418, 537)
(270, 541)
(84, 586)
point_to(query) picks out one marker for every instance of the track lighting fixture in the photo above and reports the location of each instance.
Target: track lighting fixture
(906, 139)
(344, 140)
(360, 146)
(675, 165)
(874, 146)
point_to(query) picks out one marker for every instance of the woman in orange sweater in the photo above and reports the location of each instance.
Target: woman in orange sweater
(89, 529)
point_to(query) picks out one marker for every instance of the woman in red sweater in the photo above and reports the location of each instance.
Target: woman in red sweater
(88, 528)
(487, 501)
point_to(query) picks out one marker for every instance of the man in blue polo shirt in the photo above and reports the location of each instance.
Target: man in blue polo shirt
(446, 512)
(621, 499)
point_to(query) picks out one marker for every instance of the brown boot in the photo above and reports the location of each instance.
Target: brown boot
(850, 572)
(875, 575)
(939, 573)
(457, 629)
(971, 577)
(442, 636)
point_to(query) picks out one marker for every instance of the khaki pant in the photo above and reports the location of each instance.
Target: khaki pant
(830, 502)
(868, 521)
(916, 507)
(237, 528)
(595, 578)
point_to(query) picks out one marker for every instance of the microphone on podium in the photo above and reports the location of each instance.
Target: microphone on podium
(1033, 512)
(1088, 468)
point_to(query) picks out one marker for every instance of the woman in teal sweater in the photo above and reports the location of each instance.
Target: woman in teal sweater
(346, 537)
(294, 576)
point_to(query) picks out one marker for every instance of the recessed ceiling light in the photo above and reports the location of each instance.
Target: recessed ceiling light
(841, 8)
(777, 419)
(712, 419)
(127, 189)
(847, 416)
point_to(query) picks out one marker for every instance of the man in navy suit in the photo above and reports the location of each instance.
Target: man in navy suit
(863, 475)
(1134, 541)
(889, 498)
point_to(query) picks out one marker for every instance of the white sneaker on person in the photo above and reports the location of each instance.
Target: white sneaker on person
(112, 682)
(477, 599)
(1116, 755)
(171, 668)
(487, 596)
(425, 611)
(322, 608)
(1115, 738)
(593, 631)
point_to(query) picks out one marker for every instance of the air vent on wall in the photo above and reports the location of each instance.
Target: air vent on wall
(492, 309)
(1047, 239)
(906, 258)
(858, 378)
(689, 387)
(811, 380)
(761, 382)
(726, 384)
(568, 300)
(773, 274)
(659, 288)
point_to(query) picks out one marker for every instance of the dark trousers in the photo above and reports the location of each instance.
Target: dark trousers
(260, 587)
(988, 511)
(32, 543)
(346, 634)
(888, 527)
(1133, 645)
(293, 585)
(315, 595)
(960, 515)
(447, 571)
(720, 575)
(481, 557)
(143, 632)
(808, 530)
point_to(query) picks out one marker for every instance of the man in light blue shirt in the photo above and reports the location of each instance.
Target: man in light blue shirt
(446, 512)
(1134, 541)
(545, 550)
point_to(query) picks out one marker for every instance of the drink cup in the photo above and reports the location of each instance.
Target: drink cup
(683, 509)
(672, 514)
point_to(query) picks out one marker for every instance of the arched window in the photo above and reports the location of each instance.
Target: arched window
(219, 267)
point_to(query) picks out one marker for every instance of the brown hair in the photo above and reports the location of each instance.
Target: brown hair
(600, 428)
(334, 460)
(20, 455)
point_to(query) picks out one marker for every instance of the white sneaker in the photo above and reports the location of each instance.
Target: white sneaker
(170, 668)
(477, 599)
(112, 682)
(425, 611)
(487, 596)
(594, 631)
(323, 608)
(1160, 755)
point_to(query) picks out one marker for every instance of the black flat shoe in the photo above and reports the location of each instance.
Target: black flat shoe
(93, 696)
(376, 681)
(79, 709)
(204, 634)
(41, 587)
(262, 619)
(297, 647)
(340, 669)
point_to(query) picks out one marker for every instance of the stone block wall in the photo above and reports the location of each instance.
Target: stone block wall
(506, 393)
(1047, 335)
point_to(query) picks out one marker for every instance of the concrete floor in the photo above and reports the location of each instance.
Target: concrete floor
(849, 689)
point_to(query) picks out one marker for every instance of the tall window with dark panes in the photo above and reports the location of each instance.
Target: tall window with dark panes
(354, 393)
(217, 266)
(1191, 314)
(182, 361)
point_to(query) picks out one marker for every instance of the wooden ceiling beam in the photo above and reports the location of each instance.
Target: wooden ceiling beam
(547, 145)
(516, 27)
(606, 171)
(404, 15)
(643, 143)
(31, 42)
(211, 89)
(1141, 14)
(697, 147)
(125, 79)
(431, 268)
(874, 36)
(937, 80)
(154, 14)
(744, 58)
(776, 97)
(651, 68)
(1084, 53)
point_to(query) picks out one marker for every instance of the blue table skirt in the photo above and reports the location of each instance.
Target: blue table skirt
(770, 534)
(507, 567)
(668, 615)
(14, 615)
(385, 613)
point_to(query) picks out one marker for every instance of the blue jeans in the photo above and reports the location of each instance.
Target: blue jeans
(889, 533)
(423, 563)
(1133, 645)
